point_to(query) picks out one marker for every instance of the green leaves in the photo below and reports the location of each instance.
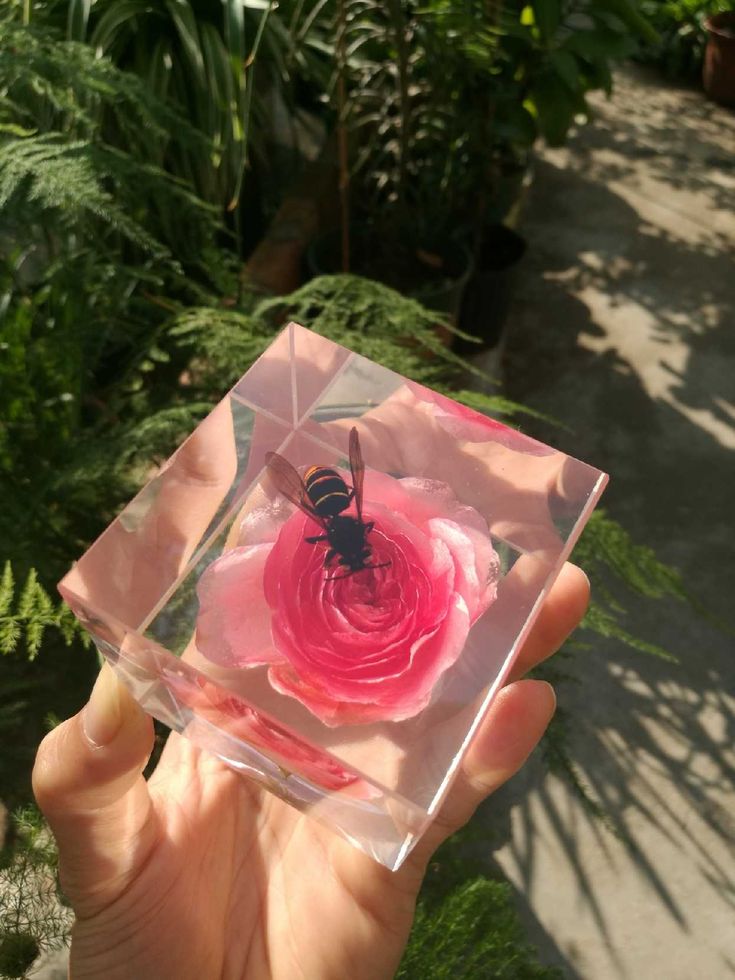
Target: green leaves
(234, 29)
(200, 61)
(187, 29)
(68, 177)
(371, 319)
(32, 918)
(598, 44)
(556, 106)
(547, 14)
(26, 619)
(606, 544)
(629, 13)
(467, 927)
(610, 557)
(574, 56)
(77, 19)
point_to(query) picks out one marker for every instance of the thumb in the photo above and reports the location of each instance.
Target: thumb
(88, 782)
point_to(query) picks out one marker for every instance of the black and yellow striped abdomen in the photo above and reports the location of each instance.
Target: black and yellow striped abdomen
(327, 491)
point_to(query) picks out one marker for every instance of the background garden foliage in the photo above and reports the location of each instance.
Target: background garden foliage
(682, 36)
(143, 148)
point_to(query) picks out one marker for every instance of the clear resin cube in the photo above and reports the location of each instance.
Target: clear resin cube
(334, 633)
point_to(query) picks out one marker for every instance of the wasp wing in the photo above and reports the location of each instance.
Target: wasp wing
(286, 478)
(357, 466)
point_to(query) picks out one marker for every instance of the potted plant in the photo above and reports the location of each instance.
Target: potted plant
(405, 145)
(437, 111)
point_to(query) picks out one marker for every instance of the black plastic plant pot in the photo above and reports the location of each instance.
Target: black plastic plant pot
(488, 294)
(435, 276)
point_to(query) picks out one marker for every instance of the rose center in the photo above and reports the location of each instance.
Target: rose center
(371, 592)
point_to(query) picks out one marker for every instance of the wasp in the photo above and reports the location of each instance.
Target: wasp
(324, 496)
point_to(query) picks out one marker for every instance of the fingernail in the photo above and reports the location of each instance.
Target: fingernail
(552, 692)
(102, 715)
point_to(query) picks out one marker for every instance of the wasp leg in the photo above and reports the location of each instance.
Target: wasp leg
(316, 538)
(331, 555)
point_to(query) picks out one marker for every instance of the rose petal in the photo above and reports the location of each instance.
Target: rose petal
(434, 655)
(233, 626)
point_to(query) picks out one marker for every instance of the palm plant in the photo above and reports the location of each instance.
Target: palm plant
(194, 56)
(224, 66)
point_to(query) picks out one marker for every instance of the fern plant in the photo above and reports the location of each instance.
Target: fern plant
(466, 926)
(60, 106)
(89, 233)
(33, 920)
(24, 619)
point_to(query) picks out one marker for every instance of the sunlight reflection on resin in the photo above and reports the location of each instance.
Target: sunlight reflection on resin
(335, 624)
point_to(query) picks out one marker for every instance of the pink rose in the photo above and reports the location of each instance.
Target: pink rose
(368, 647)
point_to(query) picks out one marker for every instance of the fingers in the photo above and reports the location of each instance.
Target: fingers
(560, 614)
(88, 782)
(519, 715)
(511, 730)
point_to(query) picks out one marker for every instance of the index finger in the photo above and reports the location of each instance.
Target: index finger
(560, 614)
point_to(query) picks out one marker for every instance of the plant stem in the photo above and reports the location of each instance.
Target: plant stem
(399, 27)
(342, 148)
(493, 13)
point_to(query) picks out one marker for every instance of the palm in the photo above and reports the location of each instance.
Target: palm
(237, 883)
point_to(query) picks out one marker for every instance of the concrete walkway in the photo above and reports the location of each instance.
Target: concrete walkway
(624, 330)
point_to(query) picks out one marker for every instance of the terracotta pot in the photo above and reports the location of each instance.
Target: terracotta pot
(719, 58)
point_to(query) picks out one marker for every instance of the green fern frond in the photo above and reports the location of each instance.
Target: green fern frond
(222, 343)
(610, 557)
(473, 932)
(371, 319)
(605, 543)
(52, 173)
(34, 614)
(32, 918)
(85, 143)
(497, 405)
(7, 589)
(606, 623)
(47, 80)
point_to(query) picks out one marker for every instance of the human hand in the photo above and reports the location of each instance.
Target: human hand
(199, 873)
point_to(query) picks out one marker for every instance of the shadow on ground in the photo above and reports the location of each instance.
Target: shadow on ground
(623, 332)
